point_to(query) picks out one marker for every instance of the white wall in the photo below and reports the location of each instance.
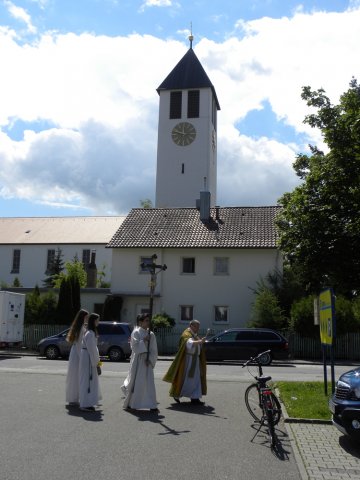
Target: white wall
(34, 257)
(203, 290)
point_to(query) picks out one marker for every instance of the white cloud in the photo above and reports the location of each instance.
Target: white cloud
(20, 14)
(99, 94)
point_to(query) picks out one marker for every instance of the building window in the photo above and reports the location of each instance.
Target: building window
(16, 261)
(144, 261)
(221, 266)
(193, 104)
(86, 258)
(221, 314)
(214, 113)
(188, 265)
(186, 313)
(175, 104)
(50, 260)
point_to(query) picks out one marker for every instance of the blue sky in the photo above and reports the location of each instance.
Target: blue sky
(79, 108)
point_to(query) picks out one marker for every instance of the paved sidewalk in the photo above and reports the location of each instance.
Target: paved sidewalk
(323, 453)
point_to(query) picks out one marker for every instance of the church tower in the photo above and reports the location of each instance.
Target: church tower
(186, 154)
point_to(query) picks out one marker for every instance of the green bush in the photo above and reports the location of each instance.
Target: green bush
(266, 311)
(347, 319)
(40, 309)
(162, 320)
(302, 317)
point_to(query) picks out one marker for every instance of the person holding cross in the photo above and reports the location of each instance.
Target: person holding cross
(139, 386)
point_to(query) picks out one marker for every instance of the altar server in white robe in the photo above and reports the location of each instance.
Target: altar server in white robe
(74, 337)
(139, 386)
(90, 394)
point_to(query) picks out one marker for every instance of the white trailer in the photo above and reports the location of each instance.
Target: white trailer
(12, 309)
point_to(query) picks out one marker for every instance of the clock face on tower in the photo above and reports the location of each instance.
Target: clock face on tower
(183, 134)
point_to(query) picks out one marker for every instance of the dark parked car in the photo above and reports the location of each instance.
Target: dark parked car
(345, 404)
(243, 343)
(113, 342)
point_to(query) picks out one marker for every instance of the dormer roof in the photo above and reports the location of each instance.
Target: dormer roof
(188, 74)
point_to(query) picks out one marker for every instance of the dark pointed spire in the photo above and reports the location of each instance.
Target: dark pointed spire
(188, 73)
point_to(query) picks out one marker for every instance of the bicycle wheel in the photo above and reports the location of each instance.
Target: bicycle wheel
(276, 409)
(253, 402)
(270, 425)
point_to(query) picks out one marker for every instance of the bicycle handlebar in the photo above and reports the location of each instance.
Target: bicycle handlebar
(255, 359)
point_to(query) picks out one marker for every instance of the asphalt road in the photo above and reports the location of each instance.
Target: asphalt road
(42, 439)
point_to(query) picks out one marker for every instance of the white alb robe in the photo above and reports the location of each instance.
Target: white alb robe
(191, 387)
(139, 386)
(90, 393)
(73, 372)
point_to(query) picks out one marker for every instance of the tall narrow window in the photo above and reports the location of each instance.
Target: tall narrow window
(193, 104)
(214, 113)
(50, 260)
(16, 261)
(182, 168)
(175, 104)
(86, 257)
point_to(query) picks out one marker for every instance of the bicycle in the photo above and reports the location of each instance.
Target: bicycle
(260, 400)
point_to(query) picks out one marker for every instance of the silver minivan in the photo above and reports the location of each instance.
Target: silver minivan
(113, 342)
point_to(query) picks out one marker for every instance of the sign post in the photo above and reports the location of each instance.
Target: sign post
(327, 331)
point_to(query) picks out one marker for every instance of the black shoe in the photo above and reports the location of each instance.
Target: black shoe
(87, 409)
(196, 401)
(177, 400)
(154, 410)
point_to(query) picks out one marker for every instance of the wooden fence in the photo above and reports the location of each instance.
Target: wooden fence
(347, 347)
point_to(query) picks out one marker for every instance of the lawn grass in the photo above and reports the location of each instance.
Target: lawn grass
(305, 399)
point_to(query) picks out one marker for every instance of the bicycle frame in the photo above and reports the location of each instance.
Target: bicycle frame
(267, 403)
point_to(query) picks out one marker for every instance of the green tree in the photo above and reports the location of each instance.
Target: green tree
(319, 224)
(16, 282)
(70, 282)
(55, 269)
(64, 309)
(266, 311)
(146, 203)
(302, 317)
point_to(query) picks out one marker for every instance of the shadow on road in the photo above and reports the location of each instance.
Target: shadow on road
(95, 416)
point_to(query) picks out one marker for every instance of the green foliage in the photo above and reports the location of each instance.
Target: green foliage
(16, 283)
(284, 285)
(100, 278)
(346, 319)
(70, 282)
(319, 224)
(146, 203)
(302, 317)
(64, 309)
(55, 269)
(40, 309)
(266, 311)
(162, 320)
(346, 314)
(74, 269)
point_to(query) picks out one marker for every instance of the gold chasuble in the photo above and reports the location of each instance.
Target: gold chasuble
(175, 374)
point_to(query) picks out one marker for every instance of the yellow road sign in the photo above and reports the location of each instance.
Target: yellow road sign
(327, 317)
